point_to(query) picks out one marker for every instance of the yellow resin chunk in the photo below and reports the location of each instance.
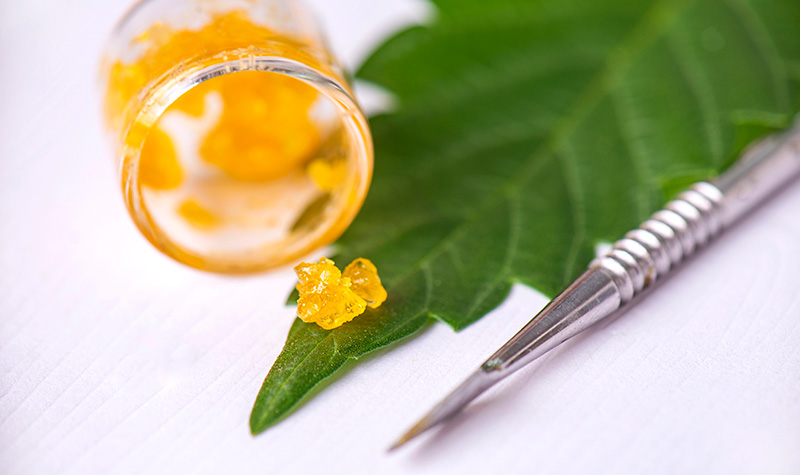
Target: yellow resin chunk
(197, 215)
(266, 129)
(165, 46)
(365, 282)
(327, 174)
(325, 296)
(329, 298)
(159, 168)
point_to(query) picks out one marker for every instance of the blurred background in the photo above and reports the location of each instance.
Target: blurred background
(115, 358)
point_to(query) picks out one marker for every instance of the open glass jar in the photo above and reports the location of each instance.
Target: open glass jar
(240, 145)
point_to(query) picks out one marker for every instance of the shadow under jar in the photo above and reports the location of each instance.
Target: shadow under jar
(240, 145)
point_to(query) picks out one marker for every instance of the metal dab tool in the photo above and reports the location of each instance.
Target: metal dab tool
(634, 263)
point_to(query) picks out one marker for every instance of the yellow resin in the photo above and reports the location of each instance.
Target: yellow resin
(164, 47)
(262, 148)
(159, 168)
(365, 281)
(327, 174)
(330, 298)
(264, 133)
(197, 215)
(265, 130)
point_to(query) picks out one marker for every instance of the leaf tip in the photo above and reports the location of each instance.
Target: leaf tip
(257, 424)
(260, 421)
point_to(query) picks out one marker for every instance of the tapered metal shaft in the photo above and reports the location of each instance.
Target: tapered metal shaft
(634, 264)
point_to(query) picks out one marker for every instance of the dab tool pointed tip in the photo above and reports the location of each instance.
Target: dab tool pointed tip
(422, 426)
(587, 298)
(473, 387)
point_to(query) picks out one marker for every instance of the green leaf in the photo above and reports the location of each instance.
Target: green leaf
(527, 131)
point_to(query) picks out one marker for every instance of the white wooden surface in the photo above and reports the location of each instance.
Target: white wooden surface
(115, 359)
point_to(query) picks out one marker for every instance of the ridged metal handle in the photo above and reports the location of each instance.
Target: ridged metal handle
(670, 235)
(697, 215)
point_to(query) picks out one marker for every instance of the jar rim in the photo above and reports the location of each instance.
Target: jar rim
(173, 85)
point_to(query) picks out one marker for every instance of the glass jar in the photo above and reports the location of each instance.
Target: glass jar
(240, 146)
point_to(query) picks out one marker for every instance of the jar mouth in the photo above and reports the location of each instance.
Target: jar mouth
(340, 208)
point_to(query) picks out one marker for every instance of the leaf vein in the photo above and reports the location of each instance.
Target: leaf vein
(638, 161)
(426, 271)
(281, 387)
(697, 81)
(511, 250)
(575, 198)
(759, 36)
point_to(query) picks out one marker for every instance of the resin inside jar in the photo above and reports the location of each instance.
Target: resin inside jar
(243, 162)
(239, 142)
